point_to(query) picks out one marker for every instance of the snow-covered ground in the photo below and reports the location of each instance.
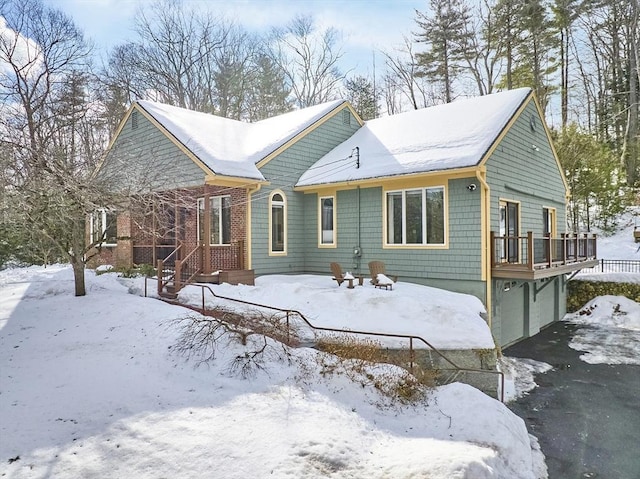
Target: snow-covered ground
(92, 387)
(445, 319)
(609, 332)
(621, 244)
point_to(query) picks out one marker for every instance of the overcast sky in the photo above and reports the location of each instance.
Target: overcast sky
(366, 25)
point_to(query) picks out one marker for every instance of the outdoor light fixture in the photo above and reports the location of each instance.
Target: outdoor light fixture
(472, 187)
(535, 148)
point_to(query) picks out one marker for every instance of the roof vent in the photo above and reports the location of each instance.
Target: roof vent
(134, 120)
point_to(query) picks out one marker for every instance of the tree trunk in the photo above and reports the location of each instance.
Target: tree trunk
(78, 276)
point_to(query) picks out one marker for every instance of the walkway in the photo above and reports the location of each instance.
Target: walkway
(586, 416)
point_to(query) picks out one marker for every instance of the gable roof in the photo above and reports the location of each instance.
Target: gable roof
(444, 137)
(231, 147)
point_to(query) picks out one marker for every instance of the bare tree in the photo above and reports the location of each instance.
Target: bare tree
(309, 60)
(47, 127)
(403, 76)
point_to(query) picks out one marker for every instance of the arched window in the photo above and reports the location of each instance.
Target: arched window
(277, 223)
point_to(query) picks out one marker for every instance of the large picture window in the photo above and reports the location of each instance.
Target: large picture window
(103, 227)
(327, 221)
(278, 220)
(219, 221)
(416, 217)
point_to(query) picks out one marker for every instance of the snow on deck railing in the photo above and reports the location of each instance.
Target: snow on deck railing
(290, 312)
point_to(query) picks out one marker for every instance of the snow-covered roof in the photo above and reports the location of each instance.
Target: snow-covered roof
(443, 137)
(230, 147)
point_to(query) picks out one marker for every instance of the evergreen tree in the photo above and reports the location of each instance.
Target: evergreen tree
(269, 93)
(593, 173)
(362, 96)
(445, 34)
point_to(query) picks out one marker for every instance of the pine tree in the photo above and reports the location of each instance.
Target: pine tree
(269, 93)
(362, 96)
(445, 34)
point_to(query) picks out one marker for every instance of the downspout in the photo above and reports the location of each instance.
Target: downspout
(250, 192)
(485, 228)
(357, 253)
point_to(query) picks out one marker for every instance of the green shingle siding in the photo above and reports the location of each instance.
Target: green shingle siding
(462, 261)
(283, 172)
(146, 154)
(518, 172)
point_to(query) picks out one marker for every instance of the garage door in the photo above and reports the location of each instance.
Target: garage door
(547, 300)
(511, 307)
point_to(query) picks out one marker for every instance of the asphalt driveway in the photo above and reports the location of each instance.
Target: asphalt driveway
(586, 416)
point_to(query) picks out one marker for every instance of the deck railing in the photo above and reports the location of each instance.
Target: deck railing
(542, 252)
(188, 268)
(166, 268)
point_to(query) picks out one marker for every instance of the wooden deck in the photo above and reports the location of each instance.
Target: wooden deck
(531, 258)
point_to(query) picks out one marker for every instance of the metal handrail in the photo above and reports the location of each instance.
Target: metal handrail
(411, 338)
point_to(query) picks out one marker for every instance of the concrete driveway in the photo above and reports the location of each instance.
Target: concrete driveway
(586, 416)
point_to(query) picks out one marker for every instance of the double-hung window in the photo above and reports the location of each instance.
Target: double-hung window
(416, 216)
(219, 221)
(103, 227)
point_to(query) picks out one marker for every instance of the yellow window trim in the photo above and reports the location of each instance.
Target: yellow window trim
(442, 246)
(284, 219)
(334, 244)
(554, 216)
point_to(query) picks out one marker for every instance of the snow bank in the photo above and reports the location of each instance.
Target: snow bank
(519, 375)
(445, 319)
(91, 388)
(610, 332)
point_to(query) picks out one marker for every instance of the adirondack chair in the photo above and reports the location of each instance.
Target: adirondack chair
(340, 277)
(378, 268)
(336, 270)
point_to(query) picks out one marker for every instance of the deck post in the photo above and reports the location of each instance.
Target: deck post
(206, 236)
(177, 275)
(492, 239)
(241, 259)
(530, 259)
(160, 266)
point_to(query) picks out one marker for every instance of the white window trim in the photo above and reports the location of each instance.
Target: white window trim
(220, 222)
(284, 219)
(334, 242)
(424, 244)
(103, 221)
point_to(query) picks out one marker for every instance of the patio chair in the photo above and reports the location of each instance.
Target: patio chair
(376, 268)
(340, 277)
(336, 270)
